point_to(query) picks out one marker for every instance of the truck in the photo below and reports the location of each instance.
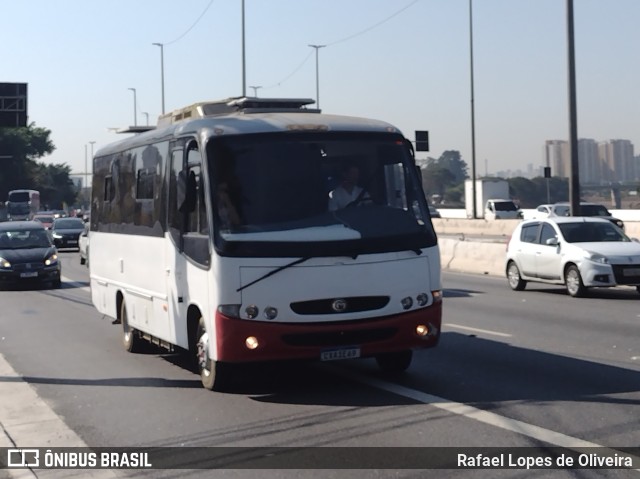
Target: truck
(492, 199)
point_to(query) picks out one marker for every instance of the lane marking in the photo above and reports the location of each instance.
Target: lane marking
(477, 330)
(486, 417)
(75, 284)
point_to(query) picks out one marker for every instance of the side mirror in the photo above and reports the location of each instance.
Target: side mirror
(552, 242)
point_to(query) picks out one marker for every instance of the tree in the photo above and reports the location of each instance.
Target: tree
(452, 161)
(436, 179)
(19, 149)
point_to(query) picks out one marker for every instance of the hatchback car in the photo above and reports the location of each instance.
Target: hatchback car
(578, 252)
(66, 232)
(27, 254)
(546, 211)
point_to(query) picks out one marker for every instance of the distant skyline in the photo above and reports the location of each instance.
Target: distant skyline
(406, 62)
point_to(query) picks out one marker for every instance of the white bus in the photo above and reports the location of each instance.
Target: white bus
(214, 233)
(22, 204)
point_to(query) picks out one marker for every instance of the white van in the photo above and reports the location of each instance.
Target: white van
(501, 210)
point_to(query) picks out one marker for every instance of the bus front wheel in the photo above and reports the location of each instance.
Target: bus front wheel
(395, 362)
(211, 372)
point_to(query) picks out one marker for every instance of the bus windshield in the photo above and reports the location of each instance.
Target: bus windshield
(320, 194)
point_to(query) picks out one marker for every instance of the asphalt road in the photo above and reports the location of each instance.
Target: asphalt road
(530, 368)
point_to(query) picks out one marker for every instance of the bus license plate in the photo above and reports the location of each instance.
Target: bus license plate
(33, 274)
(340, 353)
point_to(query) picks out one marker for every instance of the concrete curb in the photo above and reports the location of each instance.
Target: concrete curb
(472, 256)
(26, 421)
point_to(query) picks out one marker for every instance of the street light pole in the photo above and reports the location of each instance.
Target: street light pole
(146, 116)
(135, 107)
(473, 118)
(244, 61)
(86, 175)
(161, 45)
(255, 90)
(317, 47)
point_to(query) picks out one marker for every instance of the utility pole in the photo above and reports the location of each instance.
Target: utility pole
(317, 47)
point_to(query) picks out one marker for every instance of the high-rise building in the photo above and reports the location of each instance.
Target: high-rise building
(557, 157)
(589, 164)
(618, 160)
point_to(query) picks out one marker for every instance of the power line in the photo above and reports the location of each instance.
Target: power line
(192, 26)
(362, 32)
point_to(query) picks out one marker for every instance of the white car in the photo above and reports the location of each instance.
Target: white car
(578, 252)
(83, 245)
(547, 211)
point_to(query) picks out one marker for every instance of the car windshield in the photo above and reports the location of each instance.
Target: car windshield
(589, 232)
(23, 239)
(505, 206)
(309, 194)
(594, 210)
(68, 224)
(561, 210)
(43, 219)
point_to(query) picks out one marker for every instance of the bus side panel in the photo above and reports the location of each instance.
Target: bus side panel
(132, 266)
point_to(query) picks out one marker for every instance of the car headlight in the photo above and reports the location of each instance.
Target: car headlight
(4, 263)
(57, 235)
(51, 260)
(598, 258)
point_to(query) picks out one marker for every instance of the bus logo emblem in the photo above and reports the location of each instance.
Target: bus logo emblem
(339, 305)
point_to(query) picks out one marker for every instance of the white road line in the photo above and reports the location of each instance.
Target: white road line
(80, 286)
(513, 425)
(477, 330)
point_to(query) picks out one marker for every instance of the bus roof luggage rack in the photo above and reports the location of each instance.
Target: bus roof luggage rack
(238, 105)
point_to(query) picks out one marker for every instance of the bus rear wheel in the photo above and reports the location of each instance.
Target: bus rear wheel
(395, 362)
(130, 338)
(212, 373)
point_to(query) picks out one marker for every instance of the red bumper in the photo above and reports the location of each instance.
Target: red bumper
(278, 341)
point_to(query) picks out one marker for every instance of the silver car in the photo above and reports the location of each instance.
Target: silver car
(578, 252)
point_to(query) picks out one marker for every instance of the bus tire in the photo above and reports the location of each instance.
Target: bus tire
(395, 362)
(211, 372)
(130, 337)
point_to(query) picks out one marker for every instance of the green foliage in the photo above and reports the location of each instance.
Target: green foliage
(20, 148)
(531, 193)
(443, 176)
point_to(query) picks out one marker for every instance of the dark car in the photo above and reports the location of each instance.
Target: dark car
(589, 209)
(66, 231)
(27, 254)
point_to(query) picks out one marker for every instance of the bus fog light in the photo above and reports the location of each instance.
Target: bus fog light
(422, 330)
(251, 311)
(406, 302)
(251, 342)
(422, 299)
(270, 312)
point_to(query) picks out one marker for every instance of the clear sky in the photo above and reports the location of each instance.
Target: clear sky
(403, 61)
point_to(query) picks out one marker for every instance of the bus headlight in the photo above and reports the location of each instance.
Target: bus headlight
(406, 302)
(251, 311)
(270, 312)
(422, 299)
(4, 263)
(229, 310)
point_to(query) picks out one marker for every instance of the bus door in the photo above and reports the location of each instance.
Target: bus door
(188, 255)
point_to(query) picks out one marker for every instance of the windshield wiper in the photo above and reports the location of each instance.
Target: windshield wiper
(274, 271)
